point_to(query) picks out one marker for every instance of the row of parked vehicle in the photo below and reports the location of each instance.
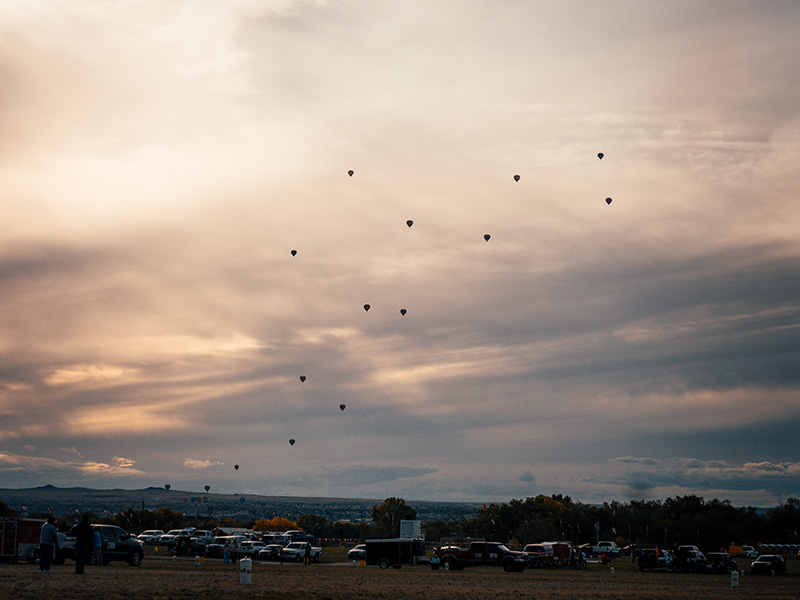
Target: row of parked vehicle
(285, 546)
(689, 559)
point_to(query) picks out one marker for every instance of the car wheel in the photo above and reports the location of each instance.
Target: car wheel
(383, 563)
(135, 559)
(509, 566)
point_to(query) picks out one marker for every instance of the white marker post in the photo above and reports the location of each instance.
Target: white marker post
(245, 570)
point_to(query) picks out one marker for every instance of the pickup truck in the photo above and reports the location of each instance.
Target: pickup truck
(610, 549)
(493, 554)
(296, 551)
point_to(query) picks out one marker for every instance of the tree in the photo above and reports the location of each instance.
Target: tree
(313, 524)
(274, 524)
(6, 510)
(387, 516)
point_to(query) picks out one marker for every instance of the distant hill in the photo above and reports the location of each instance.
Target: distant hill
(63, 501)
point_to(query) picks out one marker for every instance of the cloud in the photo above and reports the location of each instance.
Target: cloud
(527, 477)
(707, 475)
(49, 469)
(192, 463)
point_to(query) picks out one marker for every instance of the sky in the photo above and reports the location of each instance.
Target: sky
(160, 160)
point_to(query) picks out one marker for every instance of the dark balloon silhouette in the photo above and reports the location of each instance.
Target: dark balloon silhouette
(206, 488)
(236, 467)
(600, 155)
(294, 252)
(167, 486)
(350, 172)
(366, 307)
(291, 442)
(403, 311)
(241, 499)
(486, 237)
(608, 200)
(302, 378)
(516, 177)
(342, 406)
(409, 222)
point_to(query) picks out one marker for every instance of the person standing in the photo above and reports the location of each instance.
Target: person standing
(226, 552)
(48, 544)
(307, 554)
(97, 548)
(84, 536)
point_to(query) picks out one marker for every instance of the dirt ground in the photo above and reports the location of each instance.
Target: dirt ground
(160, 578)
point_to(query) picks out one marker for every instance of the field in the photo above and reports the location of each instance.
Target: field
(160, 578)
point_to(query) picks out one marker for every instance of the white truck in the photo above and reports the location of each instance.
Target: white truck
(296, 551)
(610, 549)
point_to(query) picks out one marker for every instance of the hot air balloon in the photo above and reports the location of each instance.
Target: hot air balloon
(350, 172)
(403, 311)
(302, 378)
(366, 307)
(516, 177)
(236, 467)
(241, 499)
(167, 486)
(342, 406)
(294, 252)
(193, 498)
(600, 155)
(409, 222)
(291, 442)
(206, 488)
(486, 236)
(608, 200)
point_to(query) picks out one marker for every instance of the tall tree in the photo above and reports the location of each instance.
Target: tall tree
(387, 516)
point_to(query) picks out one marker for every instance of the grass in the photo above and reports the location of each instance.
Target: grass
(161, 578)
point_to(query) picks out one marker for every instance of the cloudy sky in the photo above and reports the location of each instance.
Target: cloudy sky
(160, 160)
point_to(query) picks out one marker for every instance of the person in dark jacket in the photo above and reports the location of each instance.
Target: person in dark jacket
(84, 536)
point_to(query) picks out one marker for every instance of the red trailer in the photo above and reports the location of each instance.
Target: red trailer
(19, 539)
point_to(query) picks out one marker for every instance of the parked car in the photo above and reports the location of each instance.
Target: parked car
(151, 536)
(654, 559)
(269, 552)
(169, 537)
(357, 552)
(749, 552)
(768, 564)
(117, 544)
(541, 555)
(249, 548)
(185, 544)
(719, 562)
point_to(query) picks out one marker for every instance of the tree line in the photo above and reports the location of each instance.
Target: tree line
(665, 523)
